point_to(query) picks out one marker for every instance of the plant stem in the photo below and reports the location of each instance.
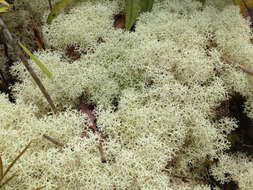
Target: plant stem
(100, 148)
(13, 43)
(229, 61)
(53, 140)
(50, 4)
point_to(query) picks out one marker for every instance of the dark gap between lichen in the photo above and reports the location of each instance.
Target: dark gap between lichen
(241, 138)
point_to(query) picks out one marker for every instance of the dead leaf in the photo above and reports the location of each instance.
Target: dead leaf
(73, 54)
(119, 22)
(100, 148)
(230, 186)
(86, 109)
(37, 35)
(245, 6)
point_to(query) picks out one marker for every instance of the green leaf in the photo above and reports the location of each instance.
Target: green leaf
(203, 2)
(146, 5)
(4, 3)
(3, 9)
(132, 12)
(57, 9)
(38, 62)
(5, 6)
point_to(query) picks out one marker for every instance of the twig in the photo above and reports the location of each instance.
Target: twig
(247, 145)
(100, 148)
(75, 173)
(53, 140)
(50, 4)
(14, 45)
(93, 126)
(228, 60)
(186, 179)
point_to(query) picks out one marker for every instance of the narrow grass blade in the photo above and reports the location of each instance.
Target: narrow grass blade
(146, 5)
(204, 2)
(16, 159)
(1, 169)
(7, 181)
(3, 9)
(39, 188)
(57, 9)
(4, 3)
(38, 62)
(132, 12)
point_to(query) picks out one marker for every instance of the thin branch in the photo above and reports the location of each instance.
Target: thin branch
(53, 140)
(187, 179)
(50, 4)
(247, 145)
(100, 148)
(229, 61)
(226, 59)
(14, 45)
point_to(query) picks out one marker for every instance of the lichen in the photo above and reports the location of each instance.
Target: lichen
(155, 93)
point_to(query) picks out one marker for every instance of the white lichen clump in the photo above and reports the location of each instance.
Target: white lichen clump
(155, 93)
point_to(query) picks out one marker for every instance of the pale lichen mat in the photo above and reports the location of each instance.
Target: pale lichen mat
(155, 91)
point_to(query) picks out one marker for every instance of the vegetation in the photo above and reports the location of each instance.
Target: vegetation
(166, 104)
(133, 8)
(4, 6)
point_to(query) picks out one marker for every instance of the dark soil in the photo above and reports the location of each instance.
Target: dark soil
(24, 27)
(242, 138)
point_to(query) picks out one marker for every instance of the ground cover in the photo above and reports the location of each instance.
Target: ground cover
(163, 106)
